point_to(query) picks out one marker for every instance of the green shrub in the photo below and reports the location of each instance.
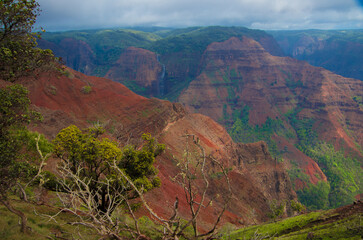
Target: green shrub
(50, 181)
(297, 207)
(315, 196)
(277, 209)
(86, 89)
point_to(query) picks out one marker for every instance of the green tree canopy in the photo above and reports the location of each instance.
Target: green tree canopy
(18, 57)
(18, 53)
(14, 114)
(89, 157)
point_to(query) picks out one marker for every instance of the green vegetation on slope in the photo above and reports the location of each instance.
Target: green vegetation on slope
(61, 227)
(353, 35)
(243, 131)
(195, 40)
(103, 39)
(344, 223)
(42, 226)
(343, 172)
(345, 178)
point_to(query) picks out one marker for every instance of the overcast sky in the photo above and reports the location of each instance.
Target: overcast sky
(261, 14)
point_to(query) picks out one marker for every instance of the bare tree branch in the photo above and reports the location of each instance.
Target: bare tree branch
(43, 160)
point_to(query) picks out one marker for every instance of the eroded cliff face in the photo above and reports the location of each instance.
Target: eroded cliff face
(116, 55)
(184, 62)
(76, 54)
(256, 178)
(139, 69)
(239, 73)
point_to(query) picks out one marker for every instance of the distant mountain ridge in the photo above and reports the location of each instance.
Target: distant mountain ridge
(96, 52)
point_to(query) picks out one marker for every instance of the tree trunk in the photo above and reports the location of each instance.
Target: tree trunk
(23, 193)
(20, 214)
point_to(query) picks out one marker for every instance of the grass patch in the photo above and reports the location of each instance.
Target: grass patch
(278, 228)
(42, 227)
(320, 225)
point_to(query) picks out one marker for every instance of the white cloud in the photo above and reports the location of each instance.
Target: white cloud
(265, 14)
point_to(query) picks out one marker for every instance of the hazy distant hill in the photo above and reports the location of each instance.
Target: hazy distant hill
(338, 51)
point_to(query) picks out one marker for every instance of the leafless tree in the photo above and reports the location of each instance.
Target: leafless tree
(194, 164)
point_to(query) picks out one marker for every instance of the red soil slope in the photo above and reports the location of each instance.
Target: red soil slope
(255, 177)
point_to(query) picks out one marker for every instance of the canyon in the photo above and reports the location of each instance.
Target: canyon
(241, 79)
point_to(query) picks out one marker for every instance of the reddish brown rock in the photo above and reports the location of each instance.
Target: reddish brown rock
(239, 72)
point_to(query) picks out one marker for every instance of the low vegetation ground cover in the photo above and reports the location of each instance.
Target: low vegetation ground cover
(42, 227)
(343, 172)
(342, 223)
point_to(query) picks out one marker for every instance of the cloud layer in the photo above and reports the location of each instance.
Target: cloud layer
(262, 14)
